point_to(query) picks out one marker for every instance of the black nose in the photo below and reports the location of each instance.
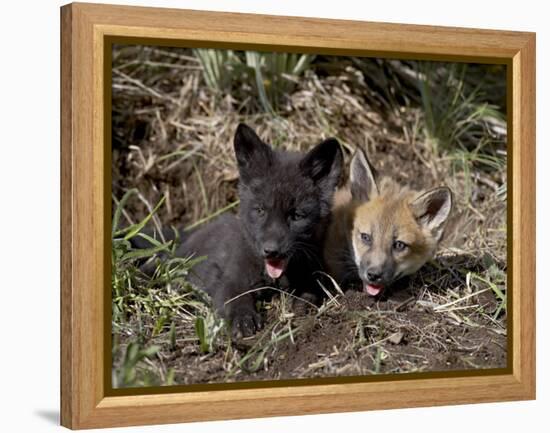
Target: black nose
(374, 276)
(270, 249)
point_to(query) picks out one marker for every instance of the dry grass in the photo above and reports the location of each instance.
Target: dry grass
(425, 124)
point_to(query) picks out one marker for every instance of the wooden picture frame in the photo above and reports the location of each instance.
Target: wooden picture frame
(87, 32)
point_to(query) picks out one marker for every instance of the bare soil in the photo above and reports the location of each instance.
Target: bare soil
(402, 332)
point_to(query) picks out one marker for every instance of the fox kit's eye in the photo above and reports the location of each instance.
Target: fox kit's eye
(366, 238)
(399, 246)
(296, 216)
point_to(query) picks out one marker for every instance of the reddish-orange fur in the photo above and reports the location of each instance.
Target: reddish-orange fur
(391, 213)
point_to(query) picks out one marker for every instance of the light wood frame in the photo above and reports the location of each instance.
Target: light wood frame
(85, 28)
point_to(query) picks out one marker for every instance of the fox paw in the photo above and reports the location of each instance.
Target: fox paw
(245, 324)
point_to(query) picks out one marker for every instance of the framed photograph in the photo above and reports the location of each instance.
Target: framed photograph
(265, 216)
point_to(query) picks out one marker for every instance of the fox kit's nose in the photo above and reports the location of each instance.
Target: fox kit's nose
(271, 249)
(374, 276)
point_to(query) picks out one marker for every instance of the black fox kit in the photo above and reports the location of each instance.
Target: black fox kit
(285, 202)
(381, 231)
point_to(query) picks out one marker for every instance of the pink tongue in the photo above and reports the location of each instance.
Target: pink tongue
(372, 290)
(275, 268)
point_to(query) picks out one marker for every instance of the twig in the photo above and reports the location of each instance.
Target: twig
(149, 90)
(270, 288)
(448, 304)
(209, 217)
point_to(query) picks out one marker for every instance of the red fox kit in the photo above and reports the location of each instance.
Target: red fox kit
(381, 231)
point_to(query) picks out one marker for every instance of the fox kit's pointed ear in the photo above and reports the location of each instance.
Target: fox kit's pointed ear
(362, 178)
(323, 163)
(253, 155)
(432, 209)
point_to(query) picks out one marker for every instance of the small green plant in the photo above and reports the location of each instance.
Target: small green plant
(147, 306)
(276, 74)
(129, 374)
(208, 328)
(457, 116)
(219, 67)
(495, 279)
(273, 75)
(135, 292)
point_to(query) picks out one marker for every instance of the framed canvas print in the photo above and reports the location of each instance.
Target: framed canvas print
(268, 216)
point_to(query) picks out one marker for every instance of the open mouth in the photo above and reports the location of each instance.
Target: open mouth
(372, 289)
(275, 267)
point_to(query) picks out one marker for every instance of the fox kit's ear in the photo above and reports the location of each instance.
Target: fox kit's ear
(323, 164)
(253, 155)
(363, 182)
(432, 209)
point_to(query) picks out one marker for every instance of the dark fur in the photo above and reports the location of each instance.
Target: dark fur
(295, 193)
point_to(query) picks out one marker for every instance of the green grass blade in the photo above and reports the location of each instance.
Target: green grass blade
(144, 253)
(120, 206)
(138, 227)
